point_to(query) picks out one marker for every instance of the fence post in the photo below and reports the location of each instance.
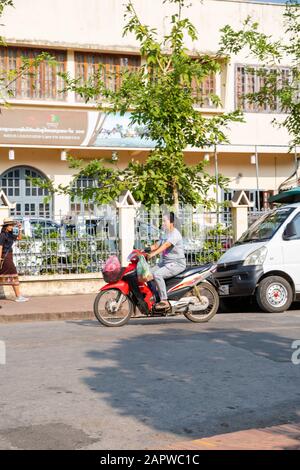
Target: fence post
(240, 205)
(5, 206)
(127, 208)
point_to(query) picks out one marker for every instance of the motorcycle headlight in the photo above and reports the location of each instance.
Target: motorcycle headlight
(257, 257)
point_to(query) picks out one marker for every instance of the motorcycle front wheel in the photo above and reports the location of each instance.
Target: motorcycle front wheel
(210, 297)
(112, 308)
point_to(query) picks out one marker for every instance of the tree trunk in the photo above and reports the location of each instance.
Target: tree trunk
(175, 197)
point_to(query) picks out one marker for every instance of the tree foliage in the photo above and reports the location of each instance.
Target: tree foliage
(3, 5)
(271, 53)
(163, 96)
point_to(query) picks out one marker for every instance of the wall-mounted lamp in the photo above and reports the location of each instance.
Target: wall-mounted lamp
(239, 176)
(253, 159)
(206, 157)
(63, 155)
(114, 156)
(11, 154)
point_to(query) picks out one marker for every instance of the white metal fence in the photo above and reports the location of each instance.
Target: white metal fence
(206, 235)
(82, 243)
(67, 245)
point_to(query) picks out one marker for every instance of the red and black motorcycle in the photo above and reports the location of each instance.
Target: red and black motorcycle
(192, 293)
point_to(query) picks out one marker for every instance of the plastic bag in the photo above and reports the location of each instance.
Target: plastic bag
(112, 270)
(143, 270)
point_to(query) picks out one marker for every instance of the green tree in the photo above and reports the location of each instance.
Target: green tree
(162, 97)
(3, 5)
(275, 90)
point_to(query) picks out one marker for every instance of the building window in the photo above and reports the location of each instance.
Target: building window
(260, 199)
(202, 92)
(41, 83)
(109, 66)
(249, 79)
(29, 198)
(78, 206)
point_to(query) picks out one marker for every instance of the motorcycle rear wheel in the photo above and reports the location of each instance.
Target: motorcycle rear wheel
(112, 308)
(203, 316)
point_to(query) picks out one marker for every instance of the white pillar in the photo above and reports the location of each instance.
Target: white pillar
(240, 206)
(126, 232)
(61, 201)
(127, 207)
(5, 206)
(218, 90)
(239, 221)
(230, 86)
(71, 98)
(4, 213)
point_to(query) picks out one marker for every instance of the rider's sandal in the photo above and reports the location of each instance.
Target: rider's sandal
(163, 305)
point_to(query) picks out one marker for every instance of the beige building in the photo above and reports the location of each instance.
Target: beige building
(43, 124)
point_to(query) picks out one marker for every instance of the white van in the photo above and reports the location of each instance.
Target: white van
(265, 261)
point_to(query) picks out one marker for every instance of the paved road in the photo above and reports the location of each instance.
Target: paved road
(151, 384)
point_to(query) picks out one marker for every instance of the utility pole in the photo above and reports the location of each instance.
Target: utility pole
(257, 180)
(217, 180)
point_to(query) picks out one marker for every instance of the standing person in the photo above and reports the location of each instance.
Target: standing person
(172, 261)
(8, 271)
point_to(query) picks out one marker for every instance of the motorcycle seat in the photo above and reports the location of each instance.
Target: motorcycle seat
(194, 270)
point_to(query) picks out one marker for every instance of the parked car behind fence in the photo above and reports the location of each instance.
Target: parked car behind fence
(78, 244)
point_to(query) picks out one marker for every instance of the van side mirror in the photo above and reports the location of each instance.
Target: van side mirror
(290, 231)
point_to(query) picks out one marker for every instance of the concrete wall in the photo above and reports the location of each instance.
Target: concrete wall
(98, 24)
(67, 284)
(274, 167)
(48, 161)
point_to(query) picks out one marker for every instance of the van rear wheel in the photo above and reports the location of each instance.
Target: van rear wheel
(274, 294)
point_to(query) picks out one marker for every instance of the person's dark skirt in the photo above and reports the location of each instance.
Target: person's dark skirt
(8, 273)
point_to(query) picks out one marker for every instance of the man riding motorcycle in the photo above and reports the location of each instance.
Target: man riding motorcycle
(172, 259)
(172, 262)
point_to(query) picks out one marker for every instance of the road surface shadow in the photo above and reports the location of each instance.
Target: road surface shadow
(247, 305)
(295, 306)
(199, 383)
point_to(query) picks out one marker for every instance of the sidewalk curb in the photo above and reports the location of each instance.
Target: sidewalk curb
(52, 316)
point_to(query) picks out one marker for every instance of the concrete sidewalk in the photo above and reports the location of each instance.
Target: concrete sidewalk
(64, 307)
